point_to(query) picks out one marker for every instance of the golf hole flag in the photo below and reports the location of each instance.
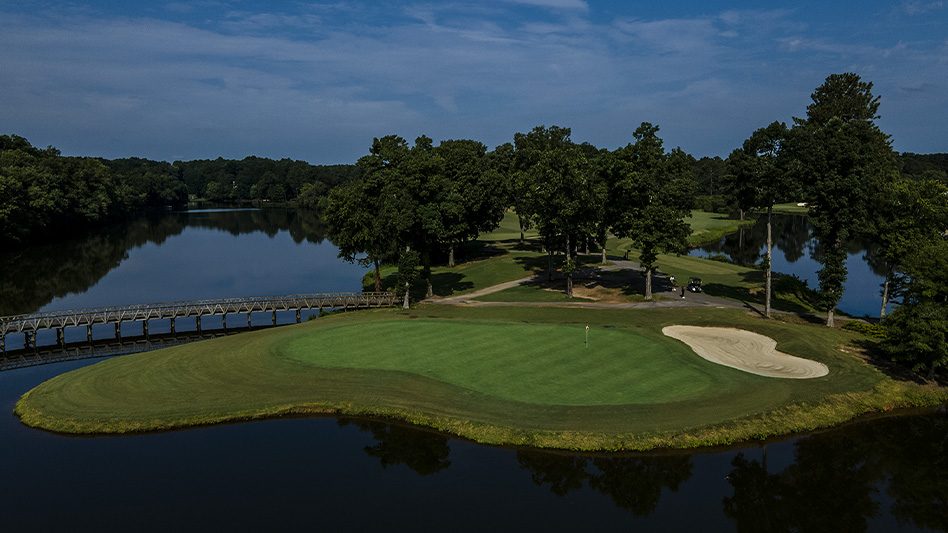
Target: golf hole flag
(587, 334)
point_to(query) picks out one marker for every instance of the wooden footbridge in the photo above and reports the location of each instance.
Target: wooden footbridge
(28, 325)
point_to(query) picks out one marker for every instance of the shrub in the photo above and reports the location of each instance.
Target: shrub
(874, 331)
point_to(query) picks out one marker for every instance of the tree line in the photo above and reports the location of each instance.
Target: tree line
(413, 202)
(45, 195)
(262, 179)
(843, 167)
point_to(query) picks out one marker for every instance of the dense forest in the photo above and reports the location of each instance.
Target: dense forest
(45, 196)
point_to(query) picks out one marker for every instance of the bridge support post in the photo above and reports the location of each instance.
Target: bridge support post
(118, 330)
(89, 333)
(172, 326)
(224, 321)
(145, 329)
(298, 316)
(197, 321)
(3, 343)
(274, 317)
(60, 341)
(248, 319)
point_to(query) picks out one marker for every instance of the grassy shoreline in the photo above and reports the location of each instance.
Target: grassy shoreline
(253, 378)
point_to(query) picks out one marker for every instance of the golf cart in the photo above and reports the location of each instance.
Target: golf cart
(694, 284)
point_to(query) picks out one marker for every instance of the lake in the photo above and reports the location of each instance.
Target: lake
(322, 473)
(795, 252)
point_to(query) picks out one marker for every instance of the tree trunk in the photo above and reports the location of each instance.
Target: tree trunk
(769, 271)
(405, 302)
(378, 275)
(604, 250)
(829, 317)
(520, 219)
(568, 271)
(549, 264)
(569, 285)
(740, 242)
(648, 283)
(426, 257)
(451, 255)
(885, 293)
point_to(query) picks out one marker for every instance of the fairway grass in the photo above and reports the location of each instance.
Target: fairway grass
(503, 376)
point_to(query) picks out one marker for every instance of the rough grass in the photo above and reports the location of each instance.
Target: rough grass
(495, 375)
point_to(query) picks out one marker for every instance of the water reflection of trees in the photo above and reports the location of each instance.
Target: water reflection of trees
(791, 235)
(35, 276)
(423, 452)
(835, 478)
(633, 483)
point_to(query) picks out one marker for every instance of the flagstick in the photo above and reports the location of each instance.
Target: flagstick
(587, 335)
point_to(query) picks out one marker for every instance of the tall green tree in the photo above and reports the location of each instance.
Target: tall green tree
(917, 331)
(361, 217)
(842, 160)
(528, 149)
(557, 175)
(473, 200)
(654, 193)
(760, 180)
(904, 218)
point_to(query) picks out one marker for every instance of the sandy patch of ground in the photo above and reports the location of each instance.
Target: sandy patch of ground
(745, 350)
(603, 290)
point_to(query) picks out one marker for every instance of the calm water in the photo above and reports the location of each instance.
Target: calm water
(795, 252)
(329, 474)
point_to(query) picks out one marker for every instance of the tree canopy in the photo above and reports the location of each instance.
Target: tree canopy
(842, 160)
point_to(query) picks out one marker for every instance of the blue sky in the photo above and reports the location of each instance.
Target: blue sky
(318, 80)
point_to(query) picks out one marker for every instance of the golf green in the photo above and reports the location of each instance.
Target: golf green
(534, 363)
(499, 375)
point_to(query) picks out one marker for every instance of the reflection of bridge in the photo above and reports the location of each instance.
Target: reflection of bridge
(28, 325)
(74, 351)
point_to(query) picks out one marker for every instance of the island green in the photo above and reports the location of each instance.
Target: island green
(499, 375)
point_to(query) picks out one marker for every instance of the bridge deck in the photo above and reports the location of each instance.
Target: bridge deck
(172, 310)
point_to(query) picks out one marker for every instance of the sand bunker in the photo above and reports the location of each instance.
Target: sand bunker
(745, 350)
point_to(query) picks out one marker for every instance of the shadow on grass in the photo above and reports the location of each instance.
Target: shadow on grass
(442, 284)
(447, 284)
(874, 356)
(789, 293)
(537, 265)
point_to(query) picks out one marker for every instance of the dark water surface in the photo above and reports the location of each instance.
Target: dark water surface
(329, 474)
(796, 252)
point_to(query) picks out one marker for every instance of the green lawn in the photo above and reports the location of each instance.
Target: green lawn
(499, 375)
(710, 227)
(791, 209)
(509, 230)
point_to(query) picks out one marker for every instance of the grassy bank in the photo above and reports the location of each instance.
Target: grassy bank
(506, 376)
(708, 228)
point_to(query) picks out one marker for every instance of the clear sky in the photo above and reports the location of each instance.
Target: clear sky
(317, 81)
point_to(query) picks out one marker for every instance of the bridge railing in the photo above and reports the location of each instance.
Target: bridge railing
(193, 308)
